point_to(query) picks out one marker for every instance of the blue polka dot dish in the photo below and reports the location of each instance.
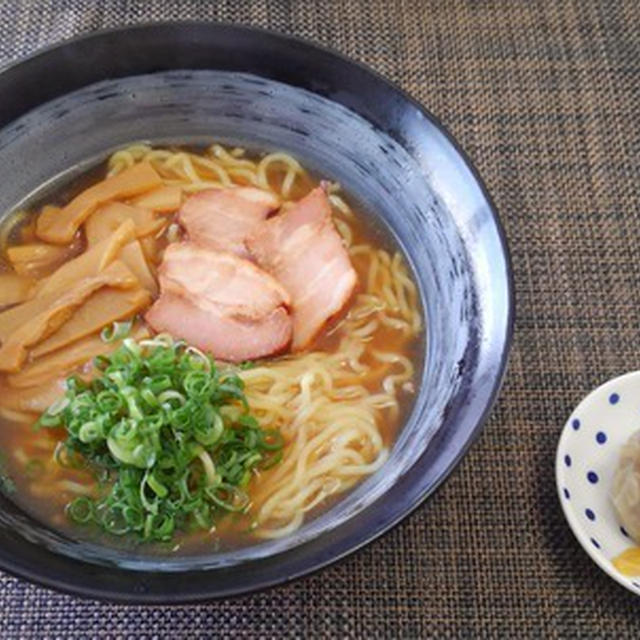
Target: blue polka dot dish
(586, 462)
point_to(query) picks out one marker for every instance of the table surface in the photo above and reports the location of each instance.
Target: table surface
(544, 95)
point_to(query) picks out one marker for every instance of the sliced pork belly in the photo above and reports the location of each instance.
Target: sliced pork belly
(221, 304)
(303, 250)
(226, 337)
(220, 280)
(222, 219)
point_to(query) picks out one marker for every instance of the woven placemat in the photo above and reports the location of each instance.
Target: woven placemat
(545, 97)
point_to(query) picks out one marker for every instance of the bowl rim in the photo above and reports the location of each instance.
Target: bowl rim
(137, 591)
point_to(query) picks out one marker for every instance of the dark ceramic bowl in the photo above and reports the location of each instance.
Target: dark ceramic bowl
(69, 106)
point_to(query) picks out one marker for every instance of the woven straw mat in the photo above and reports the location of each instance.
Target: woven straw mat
(544, 96)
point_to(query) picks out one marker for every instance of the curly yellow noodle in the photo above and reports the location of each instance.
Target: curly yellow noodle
(229, 159)
(246, 174)
(328, 405)
(345, 231)
(293, 169)
(340, 205)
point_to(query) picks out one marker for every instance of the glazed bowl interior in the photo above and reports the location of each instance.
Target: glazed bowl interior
(408, 178)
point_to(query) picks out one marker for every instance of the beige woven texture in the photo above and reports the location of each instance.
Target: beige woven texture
(545, 97)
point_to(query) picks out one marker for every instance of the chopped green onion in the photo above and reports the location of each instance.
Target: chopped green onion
(80, 509)
(228, 497)
(198, 356)
(114, 521)
(67, 457)
(133, 517)
(47, 420)
(58, 406)
(209, 468)
(89, 432)
(171, 394)
(132, 346)
(160, 490)
(197, 384)
(149, 397)
(272, 440)
(116, 331)
(168, 436)
(109, 401)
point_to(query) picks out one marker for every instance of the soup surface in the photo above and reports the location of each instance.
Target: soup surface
(315, 421)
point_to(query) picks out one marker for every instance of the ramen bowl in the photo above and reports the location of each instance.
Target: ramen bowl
(67, 107)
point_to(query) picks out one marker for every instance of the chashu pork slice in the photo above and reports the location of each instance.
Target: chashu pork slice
(303, 250)
(222, 219)
(221, 304)
(225, 337)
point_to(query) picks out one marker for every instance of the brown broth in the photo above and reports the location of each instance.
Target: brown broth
(28, 454)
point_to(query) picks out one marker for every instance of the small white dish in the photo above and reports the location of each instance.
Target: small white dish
(586, 463)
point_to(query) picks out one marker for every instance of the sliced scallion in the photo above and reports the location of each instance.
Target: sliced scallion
(116, 331)
(167, 433)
